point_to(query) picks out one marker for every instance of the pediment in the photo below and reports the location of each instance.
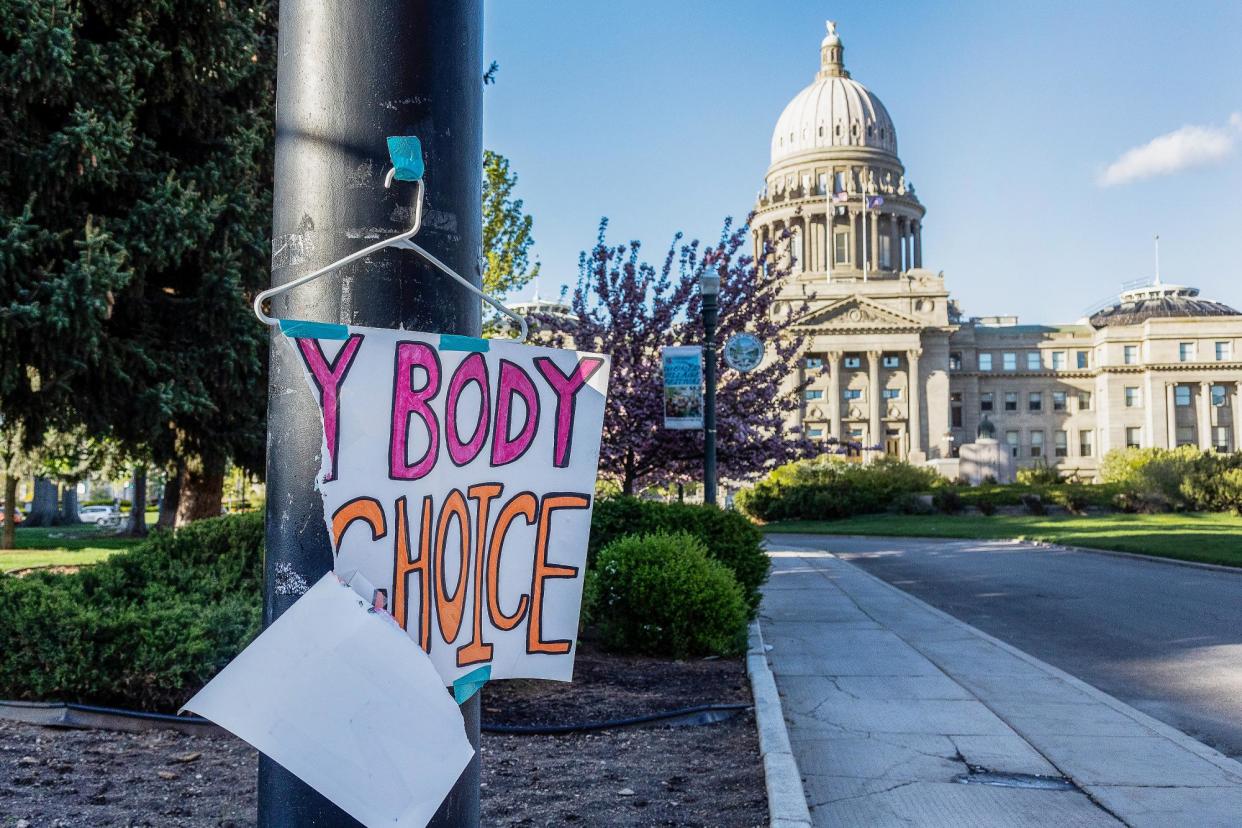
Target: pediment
(856, 313)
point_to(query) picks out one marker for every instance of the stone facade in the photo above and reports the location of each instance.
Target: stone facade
(891, 364)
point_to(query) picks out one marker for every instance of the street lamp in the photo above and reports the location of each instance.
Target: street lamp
(709, 290)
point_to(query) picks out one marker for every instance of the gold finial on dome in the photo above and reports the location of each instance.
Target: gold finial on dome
(832, 54)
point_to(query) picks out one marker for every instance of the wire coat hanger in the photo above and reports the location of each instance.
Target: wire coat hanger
(407, 163)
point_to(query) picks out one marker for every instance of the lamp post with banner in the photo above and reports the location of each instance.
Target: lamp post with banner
(709, 291)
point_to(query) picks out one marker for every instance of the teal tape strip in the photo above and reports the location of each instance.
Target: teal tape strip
(453, 342)
(470, 683)
(406, 152)
(295, 328)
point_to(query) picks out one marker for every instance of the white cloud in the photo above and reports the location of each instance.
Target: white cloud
(1181, 149)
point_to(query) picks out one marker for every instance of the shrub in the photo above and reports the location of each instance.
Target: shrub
(947, 500)
(986, 504)
(145, 628)
(908, 503)
(728, 536)
(1181, 478)
(661, 594)
(1034, 504)
(1038, 475)
(828, 489)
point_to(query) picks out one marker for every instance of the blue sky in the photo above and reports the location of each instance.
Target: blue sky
(1013, 121)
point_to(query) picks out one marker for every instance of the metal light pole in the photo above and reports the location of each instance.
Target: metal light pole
(350, 75)
(709, 291)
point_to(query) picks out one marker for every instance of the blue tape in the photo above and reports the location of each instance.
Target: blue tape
(296, 328)
(453, 342)
(406, 152)
(471, 683)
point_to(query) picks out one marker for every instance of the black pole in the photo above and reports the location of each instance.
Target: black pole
(709, 407)
(350, 75)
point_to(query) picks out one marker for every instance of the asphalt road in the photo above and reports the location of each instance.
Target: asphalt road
(1163, 638)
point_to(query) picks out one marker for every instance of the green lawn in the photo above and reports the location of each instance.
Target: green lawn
(1209, 538)
(61, 546)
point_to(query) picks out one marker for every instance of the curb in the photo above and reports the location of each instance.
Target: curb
(1174, 735)
(787, 806)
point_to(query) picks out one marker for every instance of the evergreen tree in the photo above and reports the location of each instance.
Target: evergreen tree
(135, 198)
(629, 309)
(507, 235)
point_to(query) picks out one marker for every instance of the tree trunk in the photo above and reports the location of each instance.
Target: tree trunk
(9, 538)
(202, 490)
(43, 508)
(138, 504)
(171, 498)
(69, 506)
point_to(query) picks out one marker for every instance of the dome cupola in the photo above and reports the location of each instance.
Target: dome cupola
(834, 111)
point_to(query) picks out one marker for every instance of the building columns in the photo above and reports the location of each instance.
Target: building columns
(873, 230)
(918, 243)
(1237, 417)
(873, 398)
(1170, 416)
(834, 394)
(914, 419)
(1205, 415)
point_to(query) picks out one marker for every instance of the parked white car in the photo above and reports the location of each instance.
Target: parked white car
(98, 514)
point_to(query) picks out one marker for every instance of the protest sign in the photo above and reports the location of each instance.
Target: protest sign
(683, 386)
(458, 477)
(342, 699)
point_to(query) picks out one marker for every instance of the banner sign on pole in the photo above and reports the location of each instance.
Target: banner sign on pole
(683, 386)
(458, 477)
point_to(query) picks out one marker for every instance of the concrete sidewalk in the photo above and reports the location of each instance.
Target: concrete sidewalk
(901, 715)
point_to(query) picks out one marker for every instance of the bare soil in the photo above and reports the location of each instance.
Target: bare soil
(708, 775)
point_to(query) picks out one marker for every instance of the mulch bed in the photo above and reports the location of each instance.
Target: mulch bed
(707, 775)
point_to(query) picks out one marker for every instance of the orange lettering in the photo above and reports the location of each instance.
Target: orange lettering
(366, 509)
(544, 570)
(524, 504)
(404, 566)
(449, 606)
(477, 650)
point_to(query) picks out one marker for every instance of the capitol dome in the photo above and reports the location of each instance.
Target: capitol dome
(834, 111)
(1157, 301)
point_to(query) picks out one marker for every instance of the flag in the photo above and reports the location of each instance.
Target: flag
(841, 197)
(874, 201)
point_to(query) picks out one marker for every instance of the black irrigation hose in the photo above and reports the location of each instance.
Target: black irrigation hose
(700, 714)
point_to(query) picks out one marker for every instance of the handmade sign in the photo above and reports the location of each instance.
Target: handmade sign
(458, 477)
(683, 386)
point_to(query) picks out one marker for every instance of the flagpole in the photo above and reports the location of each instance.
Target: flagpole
(865, 238)
(828, 250)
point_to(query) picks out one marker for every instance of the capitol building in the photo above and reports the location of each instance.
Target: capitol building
(890, 363)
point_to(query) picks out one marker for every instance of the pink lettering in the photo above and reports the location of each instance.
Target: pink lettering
(328, 378)
(566, 388)
(409, 402)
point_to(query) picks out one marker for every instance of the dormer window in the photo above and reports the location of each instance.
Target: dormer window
(868, 130)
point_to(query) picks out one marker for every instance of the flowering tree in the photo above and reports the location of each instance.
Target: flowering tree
(628, 308)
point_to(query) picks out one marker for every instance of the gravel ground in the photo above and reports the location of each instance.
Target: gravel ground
(676, 776)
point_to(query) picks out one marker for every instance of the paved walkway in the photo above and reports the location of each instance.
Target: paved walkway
(898, 714)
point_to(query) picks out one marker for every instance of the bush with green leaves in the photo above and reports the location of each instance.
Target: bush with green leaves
(825, 488)
(728, 536)
(662, 595)
(947, 500)
(145, 628)
(1040, 474)
(1180, 479)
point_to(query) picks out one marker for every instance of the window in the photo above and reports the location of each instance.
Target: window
(985, 401)
(1084, 400)
(814, 362)
(1033, 362)
(814, 394)
(1035, 401)
(1010, 361)
(806, 183)
(1129, 354)
(886, 251)
(841, 241)
(1082, 358)
(1185, 352)
(1011, 439)
(892, 393)
(1185, 435)
(1181, 395)
(1060, 443)
(823, 181)
(890, 361)
(1058, 360)
(1218, 396)
(853, 393)
(814, 432)
(1084, 443)
(839, 176)
(1220, 439)
(1037, 444)
(1133, 437)
(985, 362)
(956, 415)
(1058, 400)
(1132, 397)
(955, 361)
(1224, 351)
(856, 433)
(1011, 400)
(853, 362)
